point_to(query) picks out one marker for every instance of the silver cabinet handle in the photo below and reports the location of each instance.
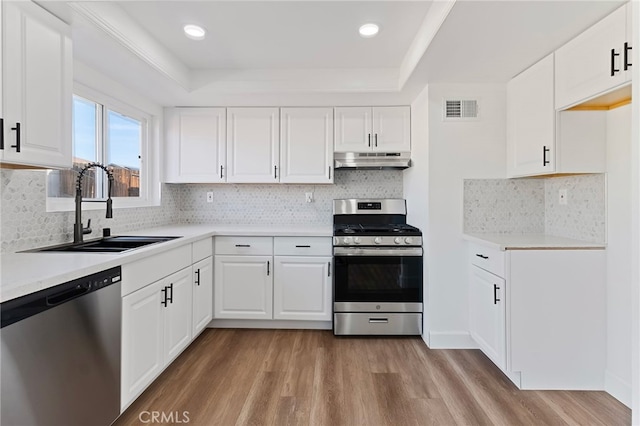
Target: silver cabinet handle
(378, 320)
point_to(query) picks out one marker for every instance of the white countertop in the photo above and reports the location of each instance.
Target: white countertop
(25, 273)
(531, 242)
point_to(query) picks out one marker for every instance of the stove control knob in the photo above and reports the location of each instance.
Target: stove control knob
(348, 240)
(357, 240)
(408, 240)
(397, 240)
(377, 240)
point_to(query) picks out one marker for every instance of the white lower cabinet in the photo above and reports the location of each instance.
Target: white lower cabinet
(156, 327)
(302, 288)
(487, 314)
(243, 287)
(543, 322)
(202, 294)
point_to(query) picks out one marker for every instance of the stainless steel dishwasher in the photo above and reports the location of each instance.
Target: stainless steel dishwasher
(60, 359)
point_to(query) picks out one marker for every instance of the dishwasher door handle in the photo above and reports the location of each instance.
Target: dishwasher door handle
(65, 296)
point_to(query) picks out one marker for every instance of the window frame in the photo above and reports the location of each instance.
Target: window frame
(149, 170)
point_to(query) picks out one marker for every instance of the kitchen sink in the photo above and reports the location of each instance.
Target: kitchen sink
(116, 244)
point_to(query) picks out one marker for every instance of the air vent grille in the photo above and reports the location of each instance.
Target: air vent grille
(460, 109)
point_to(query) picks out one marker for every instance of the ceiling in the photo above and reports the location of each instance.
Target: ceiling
(300, 52)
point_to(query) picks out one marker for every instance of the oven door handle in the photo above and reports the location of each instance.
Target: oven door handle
(359, 251)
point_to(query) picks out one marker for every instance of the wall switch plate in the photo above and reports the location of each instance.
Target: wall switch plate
(308, 197)
(209, 197)
(562, 197)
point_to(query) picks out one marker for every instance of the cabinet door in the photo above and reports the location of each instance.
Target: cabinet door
(37, 87)
(392, 129)
(353, 129)
(243, 287)
(253, 145)
(302, 288)
(177, 315)
(531, 121)
(487, 315)
(306, 145)
(195, 144)
(202, 294)
(584, 65)
(142, 340)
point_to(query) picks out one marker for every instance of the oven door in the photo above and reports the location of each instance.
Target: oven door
(378, 274)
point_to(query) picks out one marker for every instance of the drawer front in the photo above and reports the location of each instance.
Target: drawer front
(302, 246)
(145, 271)
(254, 246)
(377, 324)
(487, 258)
(202, 249)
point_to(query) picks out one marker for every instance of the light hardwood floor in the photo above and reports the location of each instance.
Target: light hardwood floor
(304, 377)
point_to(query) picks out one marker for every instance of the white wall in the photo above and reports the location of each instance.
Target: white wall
(415, 180)
(456, 150)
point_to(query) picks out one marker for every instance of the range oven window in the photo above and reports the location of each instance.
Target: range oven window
(378, 279)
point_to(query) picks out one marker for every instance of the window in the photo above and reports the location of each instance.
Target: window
(115, 135)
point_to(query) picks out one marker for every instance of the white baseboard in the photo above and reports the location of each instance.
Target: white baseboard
(279, 324)
(617, 387)
(451, 340)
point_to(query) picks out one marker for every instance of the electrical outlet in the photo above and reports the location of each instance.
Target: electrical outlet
(209, 197)
(562, 197)
(308, 197)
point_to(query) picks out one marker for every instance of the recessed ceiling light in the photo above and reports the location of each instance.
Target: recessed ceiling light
(194, 32)
(369, 30)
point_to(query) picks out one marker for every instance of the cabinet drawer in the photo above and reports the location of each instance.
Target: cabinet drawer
(254, 246)
(143, 272)
(487, 258)
(302, 246)
(409, 324)
(202, 249)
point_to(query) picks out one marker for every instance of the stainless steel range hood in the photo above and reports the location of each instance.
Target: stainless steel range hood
(372, 160)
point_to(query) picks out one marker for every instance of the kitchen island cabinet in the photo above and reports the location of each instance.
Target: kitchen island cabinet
(539, 313)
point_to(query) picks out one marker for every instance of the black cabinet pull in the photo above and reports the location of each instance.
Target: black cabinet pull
(268, 266)
(170, 298)
(1, 133)
(328, 269)
(198, 276)
(329, 172)
(627, 48)
(17, 145)
(614, 70)
(545, 150)
(369, 136)
(275, 172)
(376, 139)
(243, 245)
(301, 246)
(495, 294)
(221, 168)
(164, 298)
(482, 256)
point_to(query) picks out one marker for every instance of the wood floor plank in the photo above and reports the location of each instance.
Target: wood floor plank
(307, 377)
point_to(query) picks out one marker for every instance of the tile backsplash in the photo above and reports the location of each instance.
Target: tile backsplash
(533, 206)
(25, 224)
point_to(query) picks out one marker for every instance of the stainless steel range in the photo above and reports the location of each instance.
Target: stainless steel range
(377, 269)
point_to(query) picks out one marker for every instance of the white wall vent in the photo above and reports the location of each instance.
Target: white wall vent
(462, 109)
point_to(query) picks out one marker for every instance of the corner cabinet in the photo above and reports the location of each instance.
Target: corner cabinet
(306, 145)
(539, 314)
(372, 129)
(195, 145)
(253, 145)
(37, 79)
(595, 61)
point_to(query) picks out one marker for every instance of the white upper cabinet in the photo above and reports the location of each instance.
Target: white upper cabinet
(37, 80)
(594, 62)
(377, 129)
(306, 145)
(392, 129)
(531, 121)
(253, 145)
(195, 141)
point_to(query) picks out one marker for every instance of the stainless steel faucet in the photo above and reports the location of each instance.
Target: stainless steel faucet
(78, 229)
